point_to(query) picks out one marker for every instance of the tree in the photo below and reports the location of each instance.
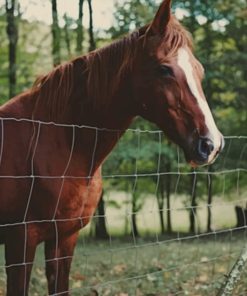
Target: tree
(210, 199)
(79, 30)
(55, 35)
(130, 15)
(134, 211)
(101, 231)
(167, 156)
(92, 44)
(168, 197)
(12, 32)
(66, 32)
(160, 196)
(193, 207)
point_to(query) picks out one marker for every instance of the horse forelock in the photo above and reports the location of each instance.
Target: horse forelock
(176, 36)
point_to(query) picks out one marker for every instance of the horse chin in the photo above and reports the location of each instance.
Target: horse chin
(195, 162)
(198, 163)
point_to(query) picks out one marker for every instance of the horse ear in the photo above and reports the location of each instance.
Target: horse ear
(161, 19)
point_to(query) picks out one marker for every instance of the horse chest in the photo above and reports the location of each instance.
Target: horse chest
(72, 199)
(80, 200)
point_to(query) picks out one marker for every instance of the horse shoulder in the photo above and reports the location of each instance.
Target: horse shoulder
(71, 199)
(92, 196)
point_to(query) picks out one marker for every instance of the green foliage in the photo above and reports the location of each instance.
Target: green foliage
(130, 15)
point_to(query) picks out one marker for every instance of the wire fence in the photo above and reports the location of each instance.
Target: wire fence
(181, 261)
(170, 229)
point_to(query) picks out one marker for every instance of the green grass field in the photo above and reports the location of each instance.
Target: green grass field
(154, 265)
(146, 267)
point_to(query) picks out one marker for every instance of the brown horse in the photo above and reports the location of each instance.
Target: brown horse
(50, 158)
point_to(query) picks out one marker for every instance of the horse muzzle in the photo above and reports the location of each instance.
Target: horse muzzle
(205, 151)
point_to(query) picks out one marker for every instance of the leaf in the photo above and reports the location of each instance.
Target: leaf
(78, 277)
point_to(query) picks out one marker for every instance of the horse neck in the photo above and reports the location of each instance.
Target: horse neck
(110, 122)
(92, 96)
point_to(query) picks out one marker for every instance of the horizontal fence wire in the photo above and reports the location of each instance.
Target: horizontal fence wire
(180, 262)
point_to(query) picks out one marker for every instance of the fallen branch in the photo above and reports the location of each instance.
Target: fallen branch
(235, 275)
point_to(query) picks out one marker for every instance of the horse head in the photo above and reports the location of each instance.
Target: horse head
(167, 83)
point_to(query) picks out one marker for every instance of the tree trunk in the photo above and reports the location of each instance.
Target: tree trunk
(100, 226)
(126, 216)
(92, 44)
(67, 37)
(165, 188)
(126, 221)
(168, 198)
(135, 231)
(241, 215)
(160, 201)
(161, 211)
(192, 9)
(79, 30)
(134, 227)
(162, 221)
(12, 32)
(193, 204)
(55, 35)
(208, 50)
(210, 199)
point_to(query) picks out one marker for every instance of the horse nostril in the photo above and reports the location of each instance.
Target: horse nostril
(205, 147)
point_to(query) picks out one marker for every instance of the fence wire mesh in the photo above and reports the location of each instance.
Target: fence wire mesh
(169, 229)
(137, 257)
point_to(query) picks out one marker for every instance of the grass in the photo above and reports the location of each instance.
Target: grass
(169, 266)
(179, 264)
(178, 267)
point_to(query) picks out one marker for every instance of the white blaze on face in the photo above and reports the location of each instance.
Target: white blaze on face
(185, 64)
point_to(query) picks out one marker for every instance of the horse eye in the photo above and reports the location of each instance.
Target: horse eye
(165, 70)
